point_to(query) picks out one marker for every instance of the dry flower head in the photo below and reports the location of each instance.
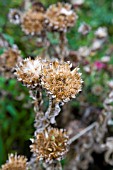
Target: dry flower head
(60, 17)
(9, 59)
(60, 81)
(15, 163)
(28, 72)
(32, 22)
(101, 32)
(50, 145)
(84, 29)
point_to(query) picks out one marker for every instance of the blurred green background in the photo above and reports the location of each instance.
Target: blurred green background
(16, 110)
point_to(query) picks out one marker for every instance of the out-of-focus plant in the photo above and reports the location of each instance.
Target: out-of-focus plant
(90, 47)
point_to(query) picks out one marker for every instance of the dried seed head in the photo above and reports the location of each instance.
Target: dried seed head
(97, 90)
(41, 122)
(101, 32)
(8, 61)
(15, 16)
(37, 6)
(84, 51)
(28, 72)
(50, 145)
(60, 81)
(60, 17)
(84, 29)
(15, 163)
(32, 22)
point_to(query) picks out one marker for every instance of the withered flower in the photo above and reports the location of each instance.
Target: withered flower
(60, 17)
(84, 29)
(84, 51)
(60, 81)
(77, 2)
(15, 163)
(15, 16)
(28, 72)
(110, 84)
(97, 44)
(32, 22)
(8, 60)
(105, 59)
(97, 90)
(50, 145)
(101, 32)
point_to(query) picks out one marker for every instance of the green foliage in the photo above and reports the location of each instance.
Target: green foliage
(16, 117)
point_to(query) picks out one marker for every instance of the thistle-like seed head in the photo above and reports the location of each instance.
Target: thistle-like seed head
(15, 163)
(28, 72)
(60, 17)
(60, 81)
(32, 22)
(8, 61)
(50, 145)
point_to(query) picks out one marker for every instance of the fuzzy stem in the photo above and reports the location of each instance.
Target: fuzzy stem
(40, 120)
(54, 166)
(46, 45)
(27, 4)
(36, 95)
(53, 110)
(63, 46)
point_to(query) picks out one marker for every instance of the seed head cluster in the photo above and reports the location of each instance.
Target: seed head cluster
(50, 145)
(57, 78)
(32, 22)
(35, 20)
(8, 61)
(60, 17)
(28, 72)
(61, 82)
(15, 163)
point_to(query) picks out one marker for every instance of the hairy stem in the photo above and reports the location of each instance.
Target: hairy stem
(63, 46)
(36, 95)
(54, 166)
(53, 110)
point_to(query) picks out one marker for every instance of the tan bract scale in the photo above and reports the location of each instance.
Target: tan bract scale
(15, 163)
(28, 72)
(60, 17)
(32, 22)
(8, 61)
(50, 145)
(60, 81)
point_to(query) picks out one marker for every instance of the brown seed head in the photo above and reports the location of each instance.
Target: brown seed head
(15, 163)
(60, 17)
(32, 22)
(28, 72)
(8, 61)
(50, 145)
(60, 81)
